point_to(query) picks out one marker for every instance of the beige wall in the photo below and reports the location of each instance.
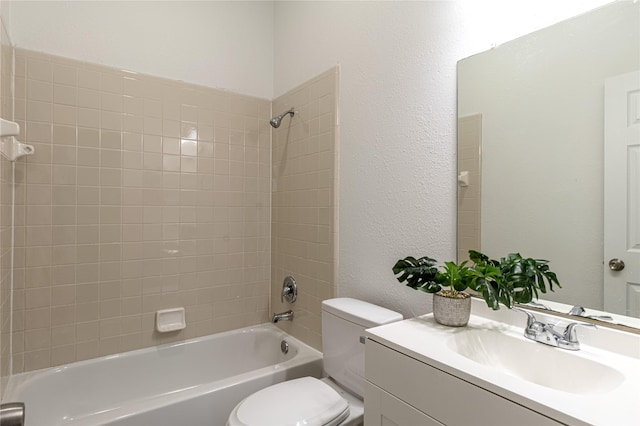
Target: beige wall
(143, 194)
(469, 152)
(304, 224)
(6, 179)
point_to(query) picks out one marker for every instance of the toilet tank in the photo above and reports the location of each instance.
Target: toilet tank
(343, 323)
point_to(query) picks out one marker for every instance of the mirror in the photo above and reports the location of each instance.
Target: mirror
(531, 150)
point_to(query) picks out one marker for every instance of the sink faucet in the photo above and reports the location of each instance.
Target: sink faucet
(283, 316)
(545, 333)
(581, 312)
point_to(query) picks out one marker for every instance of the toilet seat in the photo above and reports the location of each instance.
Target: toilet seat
(307, 401)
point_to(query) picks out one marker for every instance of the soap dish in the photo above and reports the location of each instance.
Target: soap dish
(170, 320)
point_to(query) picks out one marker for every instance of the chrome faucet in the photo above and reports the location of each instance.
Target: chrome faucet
(12, 414)
(545, 333)
(283, 316)
(579, 311)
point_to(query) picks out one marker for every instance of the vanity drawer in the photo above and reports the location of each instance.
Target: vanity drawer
(383, 409)
(443, 397)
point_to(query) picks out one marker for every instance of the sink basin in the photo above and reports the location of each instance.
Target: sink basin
(534, 362)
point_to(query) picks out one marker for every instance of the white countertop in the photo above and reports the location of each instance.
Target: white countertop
(425, 340)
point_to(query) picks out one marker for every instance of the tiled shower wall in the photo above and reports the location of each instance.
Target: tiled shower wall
(6, 183)
(143, 194)
(469, 208)
(304, 203)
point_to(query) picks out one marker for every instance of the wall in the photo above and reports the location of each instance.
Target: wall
(397, 119)
(304, 202)
(6, 183)
(143, 194)
(221, 44)
(397, 101)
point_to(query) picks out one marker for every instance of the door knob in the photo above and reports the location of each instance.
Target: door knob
(616, 265)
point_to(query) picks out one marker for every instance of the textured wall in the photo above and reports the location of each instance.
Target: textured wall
(397, 119)
(397, 127)
(143, 194)
(304, 196)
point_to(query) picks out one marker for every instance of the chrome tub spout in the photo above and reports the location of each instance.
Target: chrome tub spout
(283, 316)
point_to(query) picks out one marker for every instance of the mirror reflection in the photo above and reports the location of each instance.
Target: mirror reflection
(549, 155)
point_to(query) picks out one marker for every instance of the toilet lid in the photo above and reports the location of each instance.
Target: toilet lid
(306, 401)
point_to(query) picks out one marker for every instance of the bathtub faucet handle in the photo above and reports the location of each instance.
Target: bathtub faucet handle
(289, 290)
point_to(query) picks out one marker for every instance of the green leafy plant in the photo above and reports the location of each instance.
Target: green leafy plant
(512, 279)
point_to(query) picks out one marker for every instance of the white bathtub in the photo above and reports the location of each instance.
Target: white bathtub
(192, 383)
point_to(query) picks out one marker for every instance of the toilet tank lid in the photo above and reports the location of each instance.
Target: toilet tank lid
(360, 312)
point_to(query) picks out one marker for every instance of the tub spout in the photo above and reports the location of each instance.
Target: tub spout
(12, 414)
(283, 316)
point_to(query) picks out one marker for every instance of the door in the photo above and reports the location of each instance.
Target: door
(622, 195)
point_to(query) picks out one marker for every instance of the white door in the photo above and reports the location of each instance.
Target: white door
(622, 194)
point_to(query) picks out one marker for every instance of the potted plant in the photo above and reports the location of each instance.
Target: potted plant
(512, 279)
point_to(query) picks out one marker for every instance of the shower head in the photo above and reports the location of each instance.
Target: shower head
(275, 121)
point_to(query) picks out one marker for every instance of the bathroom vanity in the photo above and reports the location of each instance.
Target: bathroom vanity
(422, 373)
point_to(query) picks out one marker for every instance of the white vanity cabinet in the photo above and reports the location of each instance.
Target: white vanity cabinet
(401, 390)
(419, 372)
(382, 408)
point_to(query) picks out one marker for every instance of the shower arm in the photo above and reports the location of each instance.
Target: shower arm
(291, 112)
(275, 121)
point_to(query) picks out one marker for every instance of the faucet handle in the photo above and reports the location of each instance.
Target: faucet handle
(578, 311)
(533, 328)
(531, 319)
(289, 290)
(581, 312)
(539, 305)
(570, 331)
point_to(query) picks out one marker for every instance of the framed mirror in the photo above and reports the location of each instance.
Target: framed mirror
(534, 129)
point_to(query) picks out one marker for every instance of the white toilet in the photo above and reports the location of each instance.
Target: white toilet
(334, 400)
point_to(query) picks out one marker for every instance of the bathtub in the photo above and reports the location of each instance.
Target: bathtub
(191, 383)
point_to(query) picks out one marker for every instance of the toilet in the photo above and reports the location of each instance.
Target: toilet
(333, 400)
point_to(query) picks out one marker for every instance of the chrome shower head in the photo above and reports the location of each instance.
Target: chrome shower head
(275, 121)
